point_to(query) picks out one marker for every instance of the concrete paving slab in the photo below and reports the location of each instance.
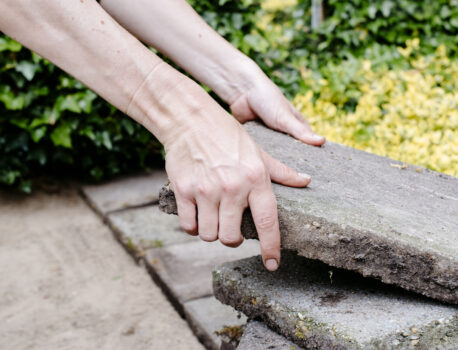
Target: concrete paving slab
(185, 270)
(143, 228)
(365, 213)
(207, 316)
(258, 336)
(320, 307)
(126, 192)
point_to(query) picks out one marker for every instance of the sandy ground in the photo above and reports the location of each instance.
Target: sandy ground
(65, 283)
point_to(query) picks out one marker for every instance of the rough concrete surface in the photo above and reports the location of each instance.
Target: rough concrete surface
(362, 213)
(319, 307)
(67, 284)
(185, 270)
(208, 316)
(258, 336)
(147, 227)
(126, 192)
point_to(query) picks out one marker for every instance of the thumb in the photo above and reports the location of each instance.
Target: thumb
(283, 174)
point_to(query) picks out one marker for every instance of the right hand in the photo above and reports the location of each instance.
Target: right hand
(216, 171)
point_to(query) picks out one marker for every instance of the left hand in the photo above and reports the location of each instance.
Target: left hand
(265, 101)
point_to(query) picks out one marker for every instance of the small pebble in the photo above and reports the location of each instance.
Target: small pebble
(414, 330)
(415, 342)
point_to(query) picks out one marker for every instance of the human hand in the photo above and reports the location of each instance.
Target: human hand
(216, 171)
(263, 99)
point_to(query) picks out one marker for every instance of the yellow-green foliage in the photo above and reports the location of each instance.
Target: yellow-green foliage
(277, 4)
(409, 114)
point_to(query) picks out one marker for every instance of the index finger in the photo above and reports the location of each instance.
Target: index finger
(263, 206)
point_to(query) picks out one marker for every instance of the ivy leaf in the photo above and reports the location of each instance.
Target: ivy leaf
(7, 44)
(386, 8)
(70, 103)
(28, 69)
(38, 133)
(372, 11)
(61, 135)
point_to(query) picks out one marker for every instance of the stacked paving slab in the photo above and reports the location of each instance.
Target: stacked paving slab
(370, 255)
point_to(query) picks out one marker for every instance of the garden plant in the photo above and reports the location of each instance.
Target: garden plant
(380, 76)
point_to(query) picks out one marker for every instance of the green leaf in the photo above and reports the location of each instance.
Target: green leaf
(9, 177)
(61, 135)
(11, 101)
(386, 7)
(38, 133)
(27, 69)
(25, 186)
(70, 103)
(256, 42)
(372, 11)
(7, 44)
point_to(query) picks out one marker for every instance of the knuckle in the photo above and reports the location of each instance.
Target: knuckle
(184, 189)
(232, 186)
(256, 173)
(204, 190)
(266, 222)
(285, 172)
(282, 122)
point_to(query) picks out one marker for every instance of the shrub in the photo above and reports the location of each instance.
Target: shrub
(408, 114)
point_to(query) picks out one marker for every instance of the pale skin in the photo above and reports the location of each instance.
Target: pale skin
(214, 167)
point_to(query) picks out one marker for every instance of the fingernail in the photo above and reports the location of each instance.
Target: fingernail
(271, 264)
(305, 176)
(317, 138)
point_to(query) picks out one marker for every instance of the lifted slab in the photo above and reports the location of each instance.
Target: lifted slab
(365, 213)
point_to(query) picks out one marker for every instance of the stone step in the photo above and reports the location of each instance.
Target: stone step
(185, 270)
(320, 307)
(125, 192)
(215, 324)
(365, 213)
(258, 336)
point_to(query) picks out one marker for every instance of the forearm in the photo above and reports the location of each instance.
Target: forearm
(82, 39)
(175, 29)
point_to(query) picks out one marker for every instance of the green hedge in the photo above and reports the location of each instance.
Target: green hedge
(355, 28)
(51, 124)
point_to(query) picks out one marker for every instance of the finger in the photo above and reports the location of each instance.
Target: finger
(305, 132)
(283, 174)
(264, 210)
(242, 111)
(207, 220)
(230, 220)
(300, 129)
(187, 214)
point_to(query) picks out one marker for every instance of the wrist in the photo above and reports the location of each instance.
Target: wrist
(233, 76)
(169, 105)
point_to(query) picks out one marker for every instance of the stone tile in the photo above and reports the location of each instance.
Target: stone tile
(258, 336)
(208, 316)
(126, 192)
(147, 227)
(320, 307)
(362, 213)
(185, 270)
